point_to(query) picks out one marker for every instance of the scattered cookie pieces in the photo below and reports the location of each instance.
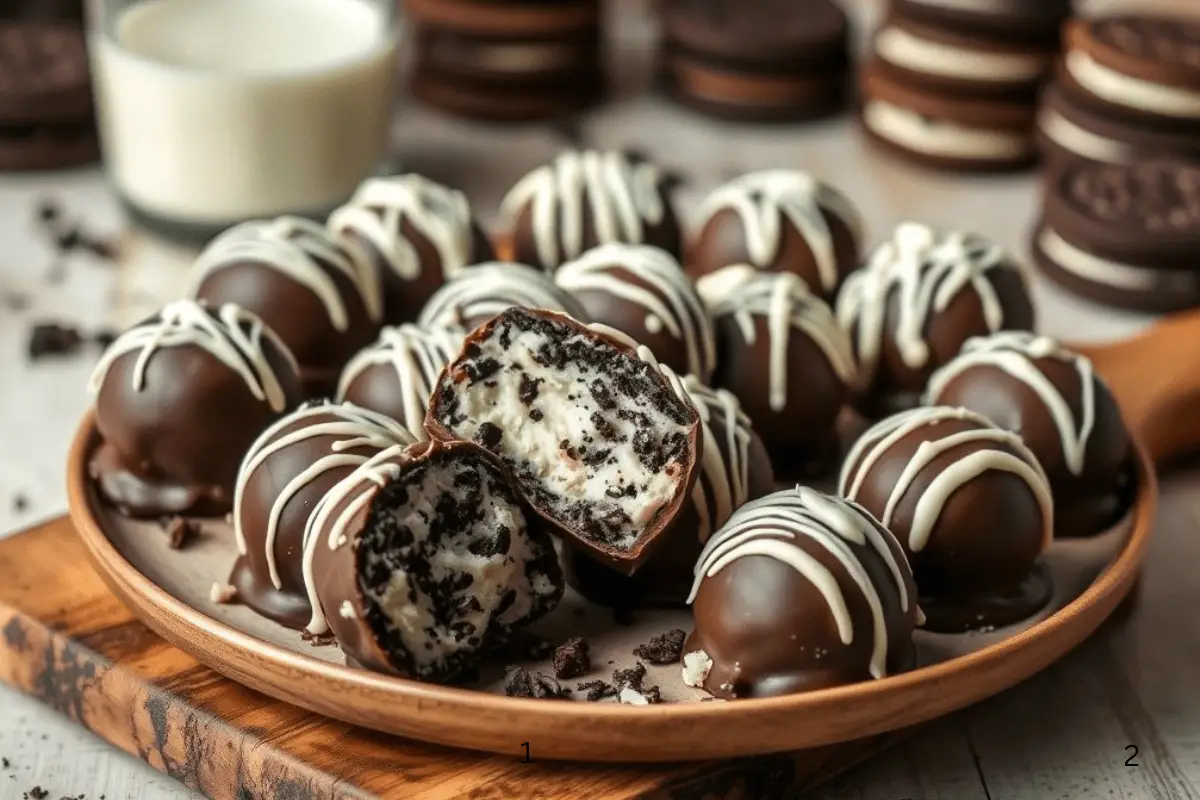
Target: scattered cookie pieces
(48, 339)
(519, 682)
(664, 649)
(596, 690)
(631, 682)
(571, 659)
(180, 532)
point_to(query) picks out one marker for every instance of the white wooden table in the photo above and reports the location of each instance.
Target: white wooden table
(1063, 734)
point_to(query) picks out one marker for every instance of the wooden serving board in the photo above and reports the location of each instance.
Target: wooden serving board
(68, 641)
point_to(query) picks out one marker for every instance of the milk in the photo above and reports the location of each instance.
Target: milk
(214, 111)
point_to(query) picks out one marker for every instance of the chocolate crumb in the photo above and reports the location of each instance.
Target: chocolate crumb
(623, 616)
(48, 209)
(19, 504)
(631, 677)
(519, 682)
(180, 532)
(571, 658)
(664, 649)
(596, 690)
(5, 763)
(104, 337)
(37, 793)
(51, 339)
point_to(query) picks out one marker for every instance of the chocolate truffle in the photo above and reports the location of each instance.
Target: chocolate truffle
(584, 199)
(396, 375)
(415, 233)
(734, 469)
(482, 291)
(179, 398)
(599, 443)
(323, 304)
(783, 355)
(921, 295)
(286, 473)
(424, 558)
(779, 221)
(1062, 410)
(799, 591)
(969, 503)
(644, 293)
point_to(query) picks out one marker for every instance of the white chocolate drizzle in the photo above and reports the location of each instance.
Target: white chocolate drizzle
(351, 428)
(416, 354)
(778, 525)
(621, 194)
(304, 252)
(670, 301)
(764, 201)
(485, 290)
(230, 334)
(725, 471)
(380, 207)
(927, 269)
(990, 448)
(783, 300)
(1016, 353)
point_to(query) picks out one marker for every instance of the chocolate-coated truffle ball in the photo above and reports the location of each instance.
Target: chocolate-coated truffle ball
(286, 473)
(600, 444)
(921, 295)
(396, 375)
(782, 354)
(778, 221)
(799, 591)
(969, 503)
(734, 469)
(482, 291)
(644, 293)
(323, 304)
(1062, 410)
(584, 199)
(424, 558)
(417, 234)
(179, 398)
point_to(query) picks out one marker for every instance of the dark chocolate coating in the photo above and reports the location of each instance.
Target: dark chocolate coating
(174, 445)
(770, 631)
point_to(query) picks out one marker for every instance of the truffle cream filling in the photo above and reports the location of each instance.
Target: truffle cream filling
(941, 137)
(938, 58)
(1126, 90)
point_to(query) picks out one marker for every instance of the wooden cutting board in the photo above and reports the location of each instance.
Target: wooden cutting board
(66, 640)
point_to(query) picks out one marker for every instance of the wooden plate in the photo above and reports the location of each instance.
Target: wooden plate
(1155, 392)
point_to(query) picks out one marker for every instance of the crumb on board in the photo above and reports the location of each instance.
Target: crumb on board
(664, 649)
(519, 682)
(572, 659)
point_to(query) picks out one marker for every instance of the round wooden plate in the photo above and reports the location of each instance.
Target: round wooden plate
(1156, 393)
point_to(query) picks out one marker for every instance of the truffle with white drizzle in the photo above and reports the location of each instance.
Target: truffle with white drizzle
(643, 292)
(734, 469)
(178, 400)
(970, 504)
(284, 476)
(799, 591)
(482, 291)
(586, 198)
(921, 295)
(1063, 411)
(415, 233)
(778, 221)
(423, 559)
(322, 303)
(396, 375)
(783, 355)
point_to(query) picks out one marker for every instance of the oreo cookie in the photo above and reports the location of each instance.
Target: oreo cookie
(1016, 19)
(766, 60)
(1124, 235)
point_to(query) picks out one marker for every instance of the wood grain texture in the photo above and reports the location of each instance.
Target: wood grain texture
(65, 639)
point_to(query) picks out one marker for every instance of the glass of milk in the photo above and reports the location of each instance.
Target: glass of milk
(216, 111)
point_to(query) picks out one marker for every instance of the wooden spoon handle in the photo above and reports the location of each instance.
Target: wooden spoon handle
(1156, 379)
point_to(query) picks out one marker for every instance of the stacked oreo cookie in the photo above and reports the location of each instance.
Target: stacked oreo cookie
(755, 60)
(953, 85)
(508, 60)
(46, 119)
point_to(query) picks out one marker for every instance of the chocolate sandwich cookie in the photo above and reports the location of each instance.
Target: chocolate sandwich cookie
(43, 74)
(496, 19)
(769, 60)
(508, 60)
(961, 60)
(482, 101)
(1146, 66)
(1068, 129)
(1124, 235)
(943, 130)
(1040, 19)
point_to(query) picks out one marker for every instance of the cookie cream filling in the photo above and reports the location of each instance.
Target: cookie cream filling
(938, 58)
(1069, 136)
(941, 137)
(1126, 90)
(520, 58)
(1110, 273)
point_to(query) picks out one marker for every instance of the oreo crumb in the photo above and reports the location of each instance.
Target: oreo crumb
(19, 504)
(519, 682)
(623, 616)
(5, 763)
(631, 677)
(571, 659)
(48, 210)
(104, 338)
(180, 532)
(596, 690)
(37, 793)
(664, 649)
(51, 339)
